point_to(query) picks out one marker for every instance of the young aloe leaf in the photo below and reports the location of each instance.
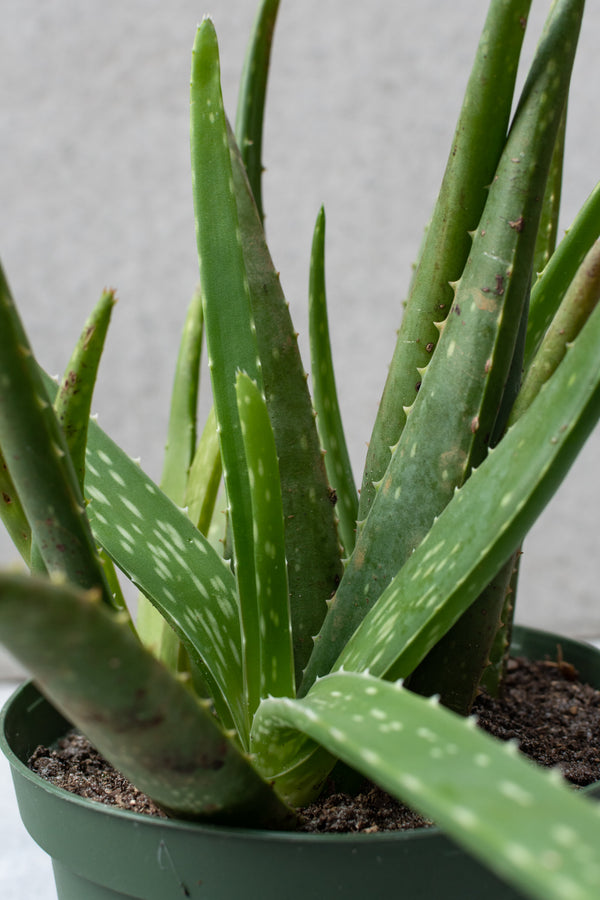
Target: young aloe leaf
(486, 520)
(551, 286)
(179, 451)
(205, 476)
(74, 398)
(329, 420)
(230, 330)
(181, 434)
(35, 451)
(520, 820)
(311, 540)
(143, 719)
(276, 651)
(579, 301)
(452, 420)
(476, 148)
(251, 97)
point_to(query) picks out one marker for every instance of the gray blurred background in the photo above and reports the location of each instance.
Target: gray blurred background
(362, 103)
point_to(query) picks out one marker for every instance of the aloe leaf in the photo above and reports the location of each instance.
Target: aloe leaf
(548, 229)
(179, 451)
(550, 288)
(204, 476)
(454, 415)
(142, 718)
(74, 398)
(521, 821)
(181, 433)
(159, 549)
(276, 651)
(486, 520)
(329, 420)
(580, 299)
(230, 330)
(476, 148)
(251, 97)
(312, 545)
(13, 514)
(35, 451)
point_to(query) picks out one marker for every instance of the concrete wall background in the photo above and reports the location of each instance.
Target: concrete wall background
(362, 103)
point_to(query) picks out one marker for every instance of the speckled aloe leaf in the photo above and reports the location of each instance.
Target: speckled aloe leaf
(454, 416)
(520, 820)
(156, 545)
(485, 521)
(329, 420)
(312, 545)
(276, 650)
(548, 291)
(475, 151)
(35, 451)
(252, 95)
(229, 326)
(141, 717)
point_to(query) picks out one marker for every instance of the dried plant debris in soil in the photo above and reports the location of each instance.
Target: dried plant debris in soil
(553, 716)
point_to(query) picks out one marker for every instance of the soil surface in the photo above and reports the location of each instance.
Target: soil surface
(545, 708)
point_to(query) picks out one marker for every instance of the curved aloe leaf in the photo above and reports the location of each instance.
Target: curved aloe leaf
(520, 820)
(476, 148)
(74, 398)
(329, 420)
(13, 514)
(551, 286)
(38, 460)
(251, 97)
(141, 717)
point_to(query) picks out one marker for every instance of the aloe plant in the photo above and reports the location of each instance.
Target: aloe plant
(218, 703)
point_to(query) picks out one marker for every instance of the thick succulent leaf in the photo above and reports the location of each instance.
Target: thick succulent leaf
(230, 330)
(486, 520)
(252, 95)
(73, 401)
(551, 286)
(312, 546)
(142, 718)
(276, 651)
(519, 820)
(476, 148)
(329, 419)
(36, 454)
(455, 413)
(159, 549)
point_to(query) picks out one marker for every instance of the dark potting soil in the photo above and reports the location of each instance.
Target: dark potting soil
(545, 708)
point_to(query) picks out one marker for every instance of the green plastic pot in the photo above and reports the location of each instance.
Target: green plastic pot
(101, 853)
